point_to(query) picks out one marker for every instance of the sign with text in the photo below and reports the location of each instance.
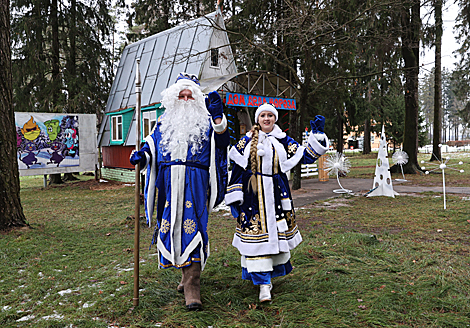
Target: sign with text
(244, 100)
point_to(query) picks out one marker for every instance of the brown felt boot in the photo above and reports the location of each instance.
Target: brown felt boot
(192, 286)
(180, 287)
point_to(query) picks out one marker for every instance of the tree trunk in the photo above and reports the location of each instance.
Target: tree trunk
(11, 211)
(295, 127)
(339, 129)
(55, 56)
(436, 140)
(72, 61)
(70, 177)
(411, 24)
(366, 148)
(55, 179)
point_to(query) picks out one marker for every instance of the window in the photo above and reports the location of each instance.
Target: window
(149, 118)
(116, 125)
(214, 57)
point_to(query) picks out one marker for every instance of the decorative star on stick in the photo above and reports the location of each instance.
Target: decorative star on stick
(401, 158)
(338, 164)
(442, 165)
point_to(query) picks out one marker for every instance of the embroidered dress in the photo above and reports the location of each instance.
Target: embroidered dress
(186, 190)
(266, 228)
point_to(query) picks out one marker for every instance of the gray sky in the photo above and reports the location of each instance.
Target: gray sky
(449, 44)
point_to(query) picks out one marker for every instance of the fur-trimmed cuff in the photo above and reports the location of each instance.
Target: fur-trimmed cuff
(143, 170)
(221, 127)
(239, 159)
(234, 196)
(315, 148)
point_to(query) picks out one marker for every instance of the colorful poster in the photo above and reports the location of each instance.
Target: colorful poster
(47, 140)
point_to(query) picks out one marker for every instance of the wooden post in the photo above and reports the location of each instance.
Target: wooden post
(322, 173)
(138, 92)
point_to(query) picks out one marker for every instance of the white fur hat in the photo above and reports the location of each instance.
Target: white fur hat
(266, 108)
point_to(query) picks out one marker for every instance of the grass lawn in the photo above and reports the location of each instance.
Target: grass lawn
(363, 262)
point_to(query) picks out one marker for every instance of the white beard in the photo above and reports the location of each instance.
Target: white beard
(184, 125)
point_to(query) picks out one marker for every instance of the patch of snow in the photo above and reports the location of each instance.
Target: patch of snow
(26, 318)
(53, 316)
(87, 305)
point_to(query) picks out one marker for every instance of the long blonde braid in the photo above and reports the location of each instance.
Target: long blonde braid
(253, 183)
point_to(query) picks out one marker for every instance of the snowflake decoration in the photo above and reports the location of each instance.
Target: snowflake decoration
(189, 226)
(188, 204)
(401, 158)
(442, 165)
(165, 226)
(292, 148)
(338, 164)
(241, 144)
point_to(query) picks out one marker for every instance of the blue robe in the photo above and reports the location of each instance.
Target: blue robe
(266, 229)
(184, 192)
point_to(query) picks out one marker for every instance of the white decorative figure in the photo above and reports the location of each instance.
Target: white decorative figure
(442, 165)
(401, 158)
(338, 164)
(382, 180)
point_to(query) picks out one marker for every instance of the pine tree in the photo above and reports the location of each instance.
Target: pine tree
(11, 211)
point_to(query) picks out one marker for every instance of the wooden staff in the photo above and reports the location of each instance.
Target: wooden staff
(138, 92)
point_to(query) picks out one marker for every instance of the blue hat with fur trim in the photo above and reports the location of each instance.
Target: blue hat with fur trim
(185, 77)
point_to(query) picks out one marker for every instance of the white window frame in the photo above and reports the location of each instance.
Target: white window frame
(116, 128)
(149, 119)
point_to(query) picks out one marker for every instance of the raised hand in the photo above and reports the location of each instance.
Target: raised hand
(214, 105)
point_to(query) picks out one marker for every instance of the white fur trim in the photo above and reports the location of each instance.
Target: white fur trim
(317, 147)
(286, 204)
(281, 258)
(266, 264)
(263, 265)
(240, 159)
(152, 178)
(221, 126)
(187, 83)
(234, 196)
(143, 170)
(212, 176)
(282, 225)
(295, 241)
(266, 108)
(287, 164)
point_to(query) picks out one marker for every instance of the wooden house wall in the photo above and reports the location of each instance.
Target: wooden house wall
(117, 156)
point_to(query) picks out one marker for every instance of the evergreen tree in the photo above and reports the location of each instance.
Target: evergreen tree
(62, 61)
(461, 75)
(411, 25)
(11, 211)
